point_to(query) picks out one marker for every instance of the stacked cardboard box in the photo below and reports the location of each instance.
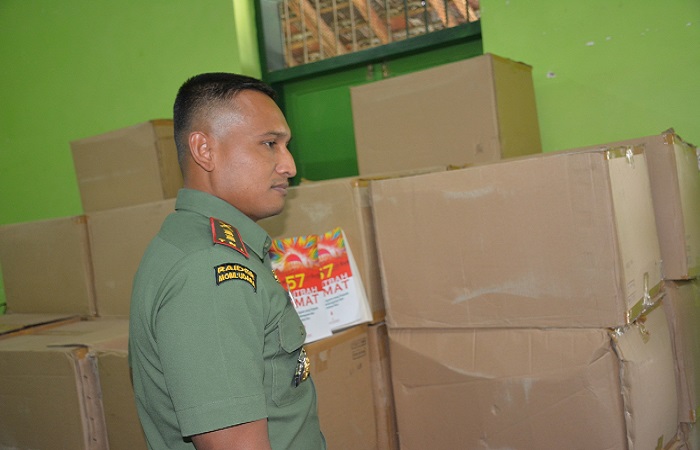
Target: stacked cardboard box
(118, 239)
(126, 167)
(674, 170)
(675, 178)
(82, 264)
(316, 207)
(682, 305)
(62, 275)
(46, 267)
(476, 110)
(50, 389)
(522, 302)
(60, 271)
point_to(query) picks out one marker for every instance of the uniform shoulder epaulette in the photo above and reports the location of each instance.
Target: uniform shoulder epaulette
(228, 235)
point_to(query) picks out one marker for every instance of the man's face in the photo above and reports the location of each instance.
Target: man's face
(252, 164)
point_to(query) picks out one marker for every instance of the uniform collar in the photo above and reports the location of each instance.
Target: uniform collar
(208, 205)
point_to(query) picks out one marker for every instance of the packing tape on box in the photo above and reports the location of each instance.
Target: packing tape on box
(671, 138)
(627, 151)
(638, 323)
(650, 298)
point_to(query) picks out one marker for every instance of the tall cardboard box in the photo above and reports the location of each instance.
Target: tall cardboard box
(476, 110)
(118, 239)
(674, 169)
(682, 304)
(49, 387)
(46, 267)
(534, 389)
(128, 166)
(340, 369)
(563, 239)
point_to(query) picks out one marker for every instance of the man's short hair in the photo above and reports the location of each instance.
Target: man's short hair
(200, 94)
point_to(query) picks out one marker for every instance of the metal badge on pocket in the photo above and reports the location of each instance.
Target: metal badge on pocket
(303, 366)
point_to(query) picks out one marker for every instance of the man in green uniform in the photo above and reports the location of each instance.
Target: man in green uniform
(215, 344)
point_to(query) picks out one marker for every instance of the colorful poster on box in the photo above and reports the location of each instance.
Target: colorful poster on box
(295, 261)
(346, 299)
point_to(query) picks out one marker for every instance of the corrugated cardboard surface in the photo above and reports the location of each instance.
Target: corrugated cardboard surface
(534, 388)
(132, 165)
(475, 110)
(682, 305)
(387, 433)
(118, 239)
(46, 267)
(501, 388)
(12, 324)
(648, 380)
(318, 207)
(674, 169)
(49, 388)
(691, 436)
(340, 369)
(121, 418)
(563, 239)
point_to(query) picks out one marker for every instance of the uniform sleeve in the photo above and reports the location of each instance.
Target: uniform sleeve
(209, 329)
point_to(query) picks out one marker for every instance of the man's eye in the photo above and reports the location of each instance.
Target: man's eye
(270, 144)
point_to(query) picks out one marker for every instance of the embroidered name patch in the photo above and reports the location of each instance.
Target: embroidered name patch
(225, 234)
(233, 271)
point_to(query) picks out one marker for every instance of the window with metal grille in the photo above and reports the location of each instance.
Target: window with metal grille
(313, 30)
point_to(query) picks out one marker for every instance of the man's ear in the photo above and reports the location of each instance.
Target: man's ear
(200, 149)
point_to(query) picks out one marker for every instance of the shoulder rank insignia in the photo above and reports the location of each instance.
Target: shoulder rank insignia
(225, 234)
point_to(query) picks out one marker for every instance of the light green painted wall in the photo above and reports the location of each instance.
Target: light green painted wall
(604, 70)
(76, 68)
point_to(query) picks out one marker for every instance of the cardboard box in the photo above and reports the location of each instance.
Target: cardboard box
(563, 239)
(318, 207)
(116, 253)
(340, 369)
(535, 388)
(648, 377)
(674, 169)
(691, 436)
(13, 324)
(382, 390)
(121, 418)
(49, 387)
(682, 304)
(46, 267)
(129, 166)
(476, 110)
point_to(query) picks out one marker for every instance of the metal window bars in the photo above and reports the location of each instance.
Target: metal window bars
(313, 30)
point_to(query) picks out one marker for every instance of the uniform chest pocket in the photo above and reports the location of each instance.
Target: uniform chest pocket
(291, 338)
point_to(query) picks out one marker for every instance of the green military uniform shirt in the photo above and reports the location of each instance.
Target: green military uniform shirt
(214, 339)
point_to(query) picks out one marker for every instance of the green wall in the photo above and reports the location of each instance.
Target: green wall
(76, 68)
(604, 70)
